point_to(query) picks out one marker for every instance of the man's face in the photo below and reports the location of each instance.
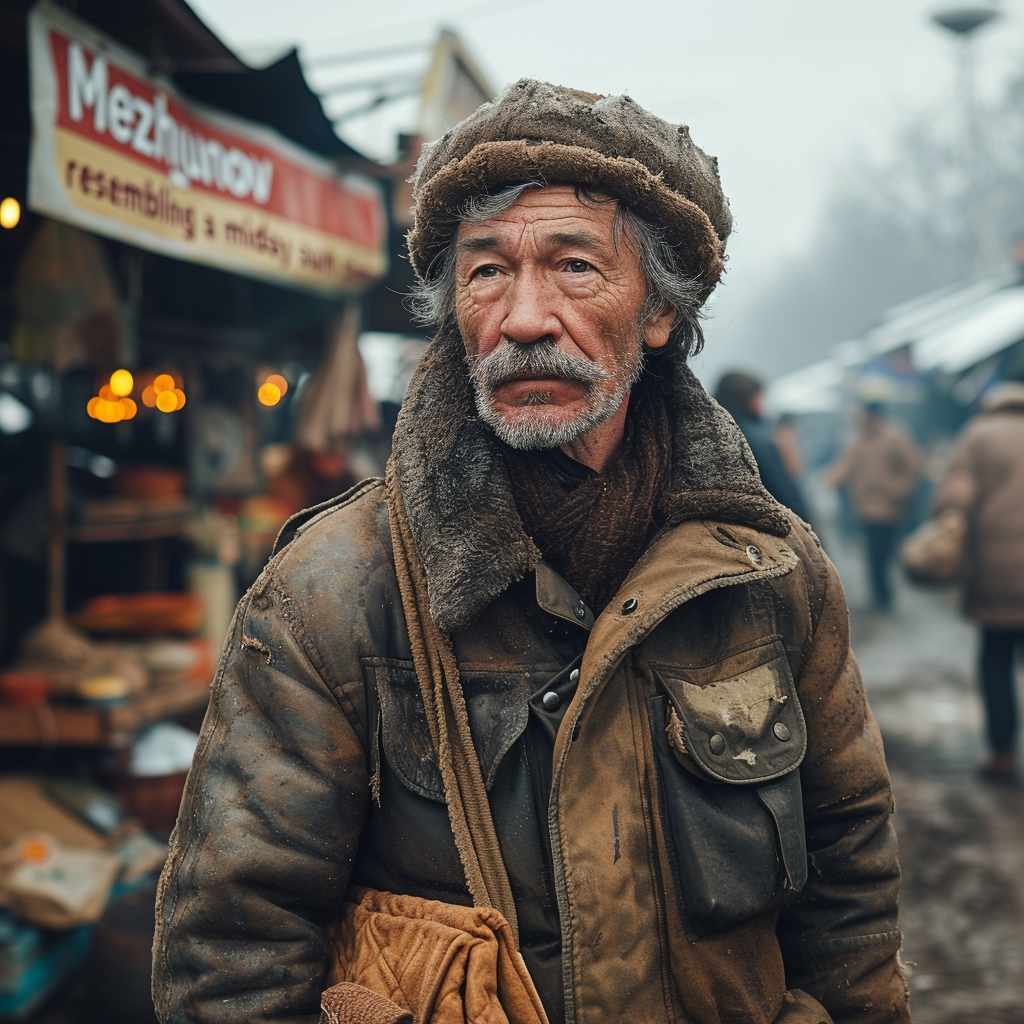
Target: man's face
(548, 303)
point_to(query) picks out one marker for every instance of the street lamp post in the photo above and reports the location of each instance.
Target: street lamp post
(964, 23)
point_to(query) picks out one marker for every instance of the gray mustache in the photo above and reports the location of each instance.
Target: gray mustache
(512, 359)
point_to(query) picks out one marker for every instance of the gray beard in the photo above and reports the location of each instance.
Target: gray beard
(508, 361)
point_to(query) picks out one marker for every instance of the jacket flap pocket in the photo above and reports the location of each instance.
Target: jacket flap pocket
(723, 855)
(741, 717)
(498, 713)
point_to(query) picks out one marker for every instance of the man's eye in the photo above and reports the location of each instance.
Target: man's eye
(488, 271)
(578, 266)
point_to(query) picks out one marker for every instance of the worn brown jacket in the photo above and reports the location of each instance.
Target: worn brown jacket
(881, 467)
(985, 480)
(718, 824)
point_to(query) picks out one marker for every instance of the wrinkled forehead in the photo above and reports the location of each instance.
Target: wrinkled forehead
(552, 212)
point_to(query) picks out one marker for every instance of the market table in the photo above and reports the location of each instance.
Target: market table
(76, 726)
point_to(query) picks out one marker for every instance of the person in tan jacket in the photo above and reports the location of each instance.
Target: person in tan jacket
(985, 480)
(881, 469)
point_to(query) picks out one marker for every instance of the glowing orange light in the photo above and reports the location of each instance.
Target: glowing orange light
(269, 394)
(92, 406)
(108, 394)
(149, 397)
(130, 408)
(110, 412)
(166, 401)
(279, 382)
(121, 383)
(180, 396)
(10, 212)
(163, 382)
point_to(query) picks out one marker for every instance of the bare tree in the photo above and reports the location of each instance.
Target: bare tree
(897, 228)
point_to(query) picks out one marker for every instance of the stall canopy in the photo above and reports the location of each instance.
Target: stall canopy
(983, 330)
(951, 331)
(123, 153)
(277, 95)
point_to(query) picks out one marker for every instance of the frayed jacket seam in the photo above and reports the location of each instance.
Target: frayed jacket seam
(852, 942)
(297, 628)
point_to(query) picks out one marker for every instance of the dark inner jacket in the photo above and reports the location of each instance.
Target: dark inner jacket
(671, 858)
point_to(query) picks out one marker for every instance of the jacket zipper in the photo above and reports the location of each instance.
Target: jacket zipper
(554, 832)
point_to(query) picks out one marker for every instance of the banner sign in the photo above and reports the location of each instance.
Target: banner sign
(122, 154)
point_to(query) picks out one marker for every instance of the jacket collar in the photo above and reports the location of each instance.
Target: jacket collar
(459, 501)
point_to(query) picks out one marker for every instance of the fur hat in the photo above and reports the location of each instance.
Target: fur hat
(536, 131)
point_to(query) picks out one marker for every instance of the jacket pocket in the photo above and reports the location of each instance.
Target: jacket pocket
(498, 714)
(740, 718)
(728, 739)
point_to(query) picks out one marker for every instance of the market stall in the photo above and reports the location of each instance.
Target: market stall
(183, 290)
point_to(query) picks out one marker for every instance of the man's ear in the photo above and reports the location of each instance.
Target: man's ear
(657, 331)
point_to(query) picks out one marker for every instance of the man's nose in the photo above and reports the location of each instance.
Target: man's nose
(530, 315)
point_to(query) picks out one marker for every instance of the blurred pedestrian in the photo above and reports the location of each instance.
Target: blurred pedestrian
(880, 468)
(985, 480)
(787, 439)
(742, 395)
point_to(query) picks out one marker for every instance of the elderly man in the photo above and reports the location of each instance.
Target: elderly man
(560, 721)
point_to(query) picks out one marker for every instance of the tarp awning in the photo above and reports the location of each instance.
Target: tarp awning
(277, 95)
(986, 328)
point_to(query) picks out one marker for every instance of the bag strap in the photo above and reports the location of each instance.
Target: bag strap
(437, 672)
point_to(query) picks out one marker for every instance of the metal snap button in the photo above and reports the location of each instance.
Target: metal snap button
(717, 744)
(551, 701)
(580, 610)
(630, 606)
(754, 554)
(781, 731)
(574, 676)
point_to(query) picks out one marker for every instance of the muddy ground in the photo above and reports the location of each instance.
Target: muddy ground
(961, 839)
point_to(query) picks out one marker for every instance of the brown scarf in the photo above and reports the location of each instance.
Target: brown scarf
(448, 719)
(593, 533)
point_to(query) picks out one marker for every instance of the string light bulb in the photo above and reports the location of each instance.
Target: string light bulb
(112, 403)
(166, 401)
(121, 383)
(10, 212)
(109, 412)
(269, 394)
(164, 394)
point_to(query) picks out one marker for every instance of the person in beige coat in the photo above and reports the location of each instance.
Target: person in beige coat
(985, 480)
(881, 468)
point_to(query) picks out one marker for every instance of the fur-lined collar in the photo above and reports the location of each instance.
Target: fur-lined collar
(459, 501)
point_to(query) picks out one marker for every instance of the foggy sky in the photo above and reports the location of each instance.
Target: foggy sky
(787, 93)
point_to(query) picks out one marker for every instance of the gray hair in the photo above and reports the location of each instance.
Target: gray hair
(432, 301)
